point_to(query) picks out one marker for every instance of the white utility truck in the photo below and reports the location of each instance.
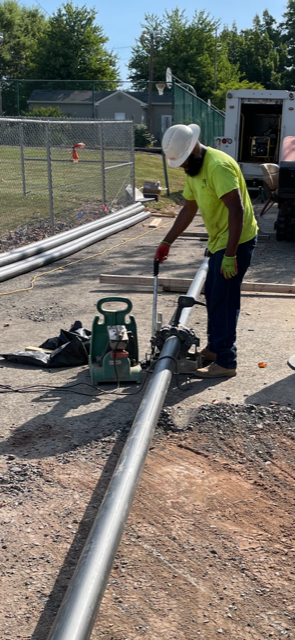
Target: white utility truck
(256, 123)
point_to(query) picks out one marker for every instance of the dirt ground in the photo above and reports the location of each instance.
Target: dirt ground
(209, 545)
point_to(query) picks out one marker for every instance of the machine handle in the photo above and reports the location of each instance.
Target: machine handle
(114, 299)
(156, 267)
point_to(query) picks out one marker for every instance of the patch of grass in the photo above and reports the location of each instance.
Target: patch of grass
(73, 184)
(150, 167)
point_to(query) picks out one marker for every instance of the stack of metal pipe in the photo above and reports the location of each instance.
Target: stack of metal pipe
(38, 254)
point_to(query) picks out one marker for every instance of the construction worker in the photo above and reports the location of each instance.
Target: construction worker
(214, 186)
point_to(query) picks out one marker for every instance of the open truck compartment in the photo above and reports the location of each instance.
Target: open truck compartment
(260, 132)
(256, 122)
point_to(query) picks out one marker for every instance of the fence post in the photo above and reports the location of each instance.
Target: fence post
(132, 158)
(22, 157)
(50, 189)
(207, 143)
(173, 100)
(93, 100)
(165, 173)
(103, 175)
(17, 97)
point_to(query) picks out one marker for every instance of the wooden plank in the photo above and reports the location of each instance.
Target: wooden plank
(155, 222)
(144, 281)
(165, 214)
(198, 234)
(204, 236)
(268, 287)
(180, 284)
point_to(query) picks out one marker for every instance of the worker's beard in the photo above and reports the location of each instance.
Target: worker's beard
(195, 161)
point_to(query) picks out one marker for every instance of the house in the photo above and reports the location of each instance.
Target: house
(112, 105)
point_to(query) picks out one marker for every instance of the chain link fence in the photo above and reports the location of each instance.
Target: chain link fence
(188, 108)
(45, 176)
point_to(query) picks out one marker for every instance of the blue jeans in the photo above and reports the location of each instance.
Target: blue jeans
(223, 304)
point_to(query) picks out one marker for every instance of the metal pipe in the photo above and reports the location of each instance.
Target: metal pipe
(47, 257)
(155, 297)
(81, 160)
(66, 236)
(195, 290)
(132, 157)
(22, 156)
(50, 184)
(103, 174)
(79, 608)
(115, 166)
(57, 120)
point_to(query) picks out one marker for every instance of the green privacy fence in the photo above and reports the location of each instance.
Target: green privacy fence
(188, 108)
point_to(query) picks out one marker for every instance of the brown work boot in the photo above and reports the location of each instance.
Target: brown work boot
(215, 371)
(207, 354)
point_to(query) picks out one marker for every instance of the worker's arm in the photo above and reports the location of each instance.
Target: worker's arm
(233, 203)
(183, 220)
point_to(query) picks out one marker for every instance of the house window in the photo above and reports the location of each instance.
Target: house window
(166, 122)
(120, 116)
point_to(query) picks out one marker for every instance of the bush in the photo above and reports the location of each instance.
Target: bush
(44, 112)
(142, 136)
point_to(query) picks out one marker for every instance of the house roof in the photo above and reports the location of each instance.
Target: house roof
(85, 97)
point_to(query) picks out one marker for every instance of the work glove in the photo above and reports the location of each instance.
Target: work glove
(162, 251)
(229, 266)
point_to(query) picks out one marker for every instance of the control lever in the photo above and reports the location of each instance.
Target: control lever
(156, 273)
(185, 302)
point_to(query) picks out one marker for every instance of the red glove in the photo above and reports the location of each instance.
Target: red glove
(162, 252)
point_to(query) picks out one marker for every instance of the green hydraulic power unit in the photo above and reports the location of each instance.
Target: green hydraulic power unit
(114, 346)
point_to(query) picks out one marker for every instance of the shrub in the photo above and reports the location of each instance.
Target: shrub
(142, 136)
(44, 112)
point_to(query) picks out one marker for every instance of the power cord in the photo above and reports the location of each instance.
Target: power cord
(40, 387)
(94, 255)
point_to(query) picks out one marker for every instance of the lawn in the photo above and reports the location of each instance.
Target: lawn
(75, 186)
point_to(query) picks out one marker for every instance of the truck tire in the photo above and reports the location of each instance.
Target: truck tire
(285, 224)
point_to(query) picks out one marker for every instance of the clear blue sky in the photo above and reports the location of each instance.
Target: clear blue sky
(121, 20)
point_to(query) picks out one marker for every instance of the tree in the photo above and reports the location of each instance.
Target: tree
(187, 47)
(259, 52)
(228, 76)
(288, 30)
(73, 47)
(22, 27)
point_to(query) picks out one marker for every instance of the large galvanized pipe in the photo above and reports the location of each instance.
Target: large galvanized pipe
(67, 236)
(17, 269)
(79, 608)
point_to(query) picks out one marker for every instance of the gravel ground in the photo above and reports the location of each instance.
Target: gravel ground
(219, 476)
(41, 229)
(209, 544)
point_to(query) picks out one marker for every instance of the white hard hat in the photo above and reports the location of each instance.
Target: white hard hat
(178, 143)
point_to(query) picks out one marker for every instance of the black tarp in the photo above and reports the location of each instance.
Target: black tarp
(69, 349)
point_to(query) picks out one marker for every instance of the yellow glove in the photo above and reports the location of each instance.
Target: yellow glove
(229, 267)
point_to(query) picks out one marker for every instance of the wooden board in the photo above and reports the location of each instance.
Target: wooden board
(204, 236)
(144, 281)
(155, 222)
(180, 284)
(198, 234)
